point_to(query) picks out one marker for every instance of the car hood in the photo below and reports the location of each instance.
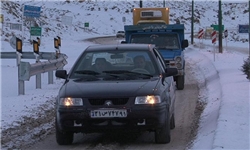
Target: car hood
(169, 54)
(109, 88)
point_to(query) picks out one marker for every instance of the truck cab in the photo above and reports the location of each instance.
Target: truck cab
(153, 27)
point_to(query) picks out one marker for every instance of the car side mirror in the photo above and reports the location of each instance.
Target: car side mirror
(61, 74)
(171, 72)
(184, 44)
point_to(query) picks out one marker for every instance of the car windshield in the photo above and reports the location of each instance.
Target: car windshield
(166, 41)
(114, 65)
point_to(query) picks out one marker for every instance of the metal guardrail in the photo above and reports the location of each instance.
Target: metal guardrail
(27, 55)
(26, 70)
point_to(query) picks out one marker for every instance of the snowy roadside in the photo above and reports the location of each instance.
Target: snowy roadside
(207, 77)
(224, 123)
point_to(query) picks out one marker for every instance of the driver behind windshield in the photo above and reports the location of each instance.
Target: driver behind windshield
(140, 62)
(101, 65)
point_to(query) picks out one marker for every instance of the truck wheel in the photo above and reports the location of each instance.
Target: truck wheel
(64, 138)
(162, 135)
(180, 82)
(172, 122)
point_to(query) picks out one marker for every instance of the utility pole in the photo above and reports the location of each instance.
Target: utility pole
(192, 23)
(140, 3)
(220, 28)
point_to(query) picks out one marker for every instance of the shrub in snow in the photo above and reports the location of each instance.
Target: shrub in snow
(246, 67)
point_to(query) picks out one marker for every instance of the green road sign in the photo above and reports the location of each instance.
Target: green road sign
(36, 31)
(216, 27)
(86, 24)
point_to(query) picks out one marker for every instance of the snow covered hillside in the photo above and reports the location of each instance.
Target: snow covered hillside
(52, 25)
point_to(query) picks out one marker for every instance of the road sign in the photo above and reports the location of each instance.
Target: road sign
(13, 42)
(214, 37)
(226, 33)
(216, 27)
(200, 34)
(86, 24)
(35, 31)
(16, 26)
(32, 11)
(243, 28)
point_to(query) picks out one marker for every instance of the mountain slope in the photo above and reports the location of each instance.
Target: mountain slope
(53, 11)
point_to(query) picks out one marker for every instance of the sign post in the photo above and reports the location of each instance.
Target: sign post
(36, 53)
(200, 36)
(214, 41)
(31, 12)
(19, 45)
(226, 35)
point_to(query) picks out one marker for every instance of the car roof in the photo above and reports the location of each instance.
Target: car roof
(111, 47)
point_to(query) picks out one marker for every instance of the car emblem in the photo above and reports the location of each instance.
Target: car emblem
(108, 103)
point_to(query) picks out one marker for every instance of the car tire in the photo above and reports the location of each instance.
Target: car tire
(172, 122)
(162, 135)
(180, 82)
(64, 138)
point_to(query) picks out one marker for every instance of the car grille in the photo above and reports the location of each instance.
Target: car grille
(115, 101)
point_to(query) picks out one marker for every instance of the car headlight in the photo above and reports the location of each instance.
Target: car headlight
(179, 65)
(150, 99)
(69, 101)
(178, 59)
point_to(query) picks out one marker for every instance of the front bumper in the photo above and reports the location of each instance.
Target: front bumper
(143, 117)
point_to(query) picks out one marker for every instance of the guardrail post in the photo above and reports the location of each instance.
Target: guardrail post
(50, 73)
(36, 53)
(19, 54)
(25, 70)
(59, 46)
(56, 45)
(50, 77)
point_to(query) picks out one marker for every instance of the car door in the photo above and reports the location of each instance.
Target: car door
(168, 81)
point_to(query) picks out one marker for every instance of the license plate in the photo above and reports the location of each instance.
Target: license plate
(108, 113)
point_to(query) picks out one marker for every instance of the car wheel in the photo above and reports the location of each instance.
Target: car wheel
(172, 122)
(64, 138)
(162, 135)
(180, 82)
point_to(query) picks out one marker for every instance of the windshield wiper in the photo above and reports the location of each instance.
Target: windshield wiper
(86, 78)
(89, 72)
(117, 71)
(126, 72)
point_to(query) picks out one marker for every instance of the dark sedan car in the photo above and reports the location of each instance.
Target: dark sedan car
(123, 87)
